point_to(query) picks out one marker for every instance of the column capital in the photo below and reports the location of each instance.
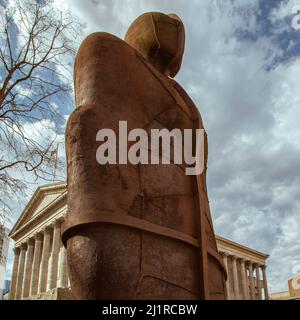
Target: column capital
(57, 223)
(256, 264)
(263, 267)
(249, 263)
(234, 258)
(16, 250)
(224, 254)
(38, 236)
(47, 230)
(30, 242)
(23, 246)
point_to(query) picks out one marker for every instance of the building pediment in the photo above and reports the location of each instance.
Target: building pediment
(41, 202)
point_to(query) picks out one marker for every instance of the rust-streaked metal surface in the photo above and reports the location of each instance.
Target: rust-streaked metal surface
(136, 231)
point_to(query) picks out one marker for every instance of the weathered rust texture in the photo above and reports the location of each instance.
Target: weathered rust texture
(136, 231)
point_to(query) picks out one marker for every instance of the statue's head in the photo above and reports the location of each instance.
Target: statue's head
(160, 39)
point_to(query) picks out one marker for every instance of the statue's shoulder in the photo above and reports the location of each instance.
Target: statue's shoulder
(97, 38)
(104, 65)
(99, 44)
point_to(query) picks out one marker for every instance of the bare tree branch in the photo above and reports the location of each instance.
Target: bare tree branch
(36, 40)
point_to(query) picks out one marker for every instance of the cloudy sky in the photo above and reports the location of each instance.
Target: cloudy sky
(241, 67)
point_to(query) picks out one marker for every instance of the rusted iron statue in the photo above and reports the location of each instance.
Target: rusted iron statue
(136, 231)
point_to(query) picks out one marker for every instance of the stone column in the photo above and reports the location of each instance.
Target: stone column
(44, 261)
(244, 280)
(247, 280)
(28, 268)
(224, 255)
(63, 279)
(12, 293)
(34, 281)
(53, 262)
(263, 268)
(252, 292)
(235, 278)
(258, 284)
(20, 275)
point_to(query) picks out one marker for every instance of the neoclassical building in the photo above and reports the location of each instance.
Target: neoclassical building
(40, 263)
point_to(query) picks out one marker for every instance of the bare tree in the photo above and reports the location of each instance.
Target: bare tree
(36, 43)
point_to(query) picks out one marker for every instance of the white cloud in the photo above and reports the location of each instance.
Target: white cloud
(283, 10)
